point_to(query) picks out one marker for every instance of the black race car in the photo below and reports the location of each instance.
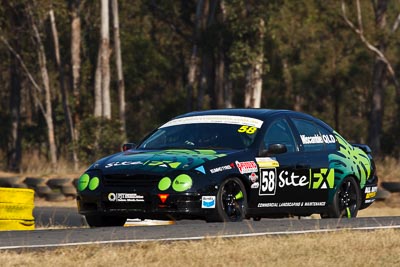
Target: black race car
(229, 165)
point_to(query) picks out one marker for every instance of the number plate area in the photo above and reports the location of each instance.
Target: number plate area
(268, 182)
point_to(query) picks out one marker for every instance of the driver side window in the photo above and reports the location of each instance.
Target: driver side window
(279, 133)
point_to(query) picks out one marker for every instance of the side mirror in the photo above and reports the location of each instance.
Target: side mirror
(128, 146)
(274, 149)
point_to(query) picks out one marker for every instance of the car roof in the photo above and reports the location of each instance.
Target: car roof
(248, 112)
(258, 113)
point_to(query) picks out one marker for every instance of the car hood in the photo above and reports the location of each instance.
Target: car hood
(158, 161)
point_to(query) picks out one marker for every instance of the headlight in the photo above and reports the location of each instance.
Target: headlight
(85, 181)
(182, 183)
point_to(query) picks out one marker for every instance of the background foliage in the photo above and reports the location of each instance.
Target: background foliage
(313, 62)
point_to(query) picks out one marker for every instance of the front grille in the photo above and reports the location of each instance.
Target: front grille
(125, 206)
(137, 180)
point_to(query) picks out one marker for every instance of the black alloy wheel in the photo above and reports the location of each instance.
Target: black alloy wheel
(231, 201)
(347, 200)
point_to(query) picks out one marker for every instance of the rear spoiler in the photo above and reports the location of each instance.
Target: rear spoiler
(365, 148)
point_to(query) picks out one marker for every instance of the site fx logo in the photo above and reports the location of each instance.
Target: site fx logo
(322, 178)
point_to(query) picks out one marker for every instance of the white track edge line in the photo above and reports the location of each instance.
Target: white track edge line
(201, 237)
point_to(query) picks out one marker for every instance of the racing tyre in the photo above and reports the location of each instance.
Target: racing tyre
(392, 187)
(69, 190)
(54, 197)
(231, 202)
(33, 182)
(10, 181)
(57, 183)
(101, 221)
(346, 201)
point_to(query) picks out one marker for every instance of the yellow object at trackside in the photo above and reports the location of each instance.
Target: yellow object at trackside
(16, 209)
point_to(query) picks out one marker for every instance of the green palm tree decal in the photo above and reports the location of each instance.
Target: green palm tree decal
(349, 160)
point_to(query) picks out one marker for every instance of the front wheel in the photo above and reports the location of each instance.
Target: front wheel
(101, 221)
(346, 201)
(231, 202)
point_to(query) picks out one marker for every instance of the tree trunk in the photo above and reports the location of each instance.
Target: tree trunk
(378, 86)
(202, 76)
(336, 99)
(98, 104)
(105, 59)
(64, 92)
(76, 60)
(219, 79)
(375, 123)
(207, 72)
(14, 154)
(190, 87)
(14, 151)
(253, 88)
(206, 83)
(118, 63)
(193, 63)
(223, 89)
(46, 84)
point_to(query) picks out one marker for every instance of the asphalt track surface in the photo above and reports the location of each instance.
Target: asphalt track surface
(65, 227)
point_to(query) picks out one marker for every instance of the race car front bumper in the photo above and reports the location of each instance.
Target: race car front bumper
(146, 205)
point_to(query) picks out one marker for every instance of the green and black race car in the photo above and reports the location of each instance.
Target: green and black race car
(230, 165)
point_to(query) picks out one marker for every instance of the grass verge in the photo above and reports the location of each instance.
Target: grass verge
(345, 248)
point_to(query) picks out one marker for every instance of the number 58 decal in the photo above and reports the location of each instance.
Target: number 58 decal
(268, 182)
(247, 129)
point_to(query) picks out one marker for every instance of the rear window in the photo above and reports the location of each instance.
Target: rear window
(314, 137)
(310, 136)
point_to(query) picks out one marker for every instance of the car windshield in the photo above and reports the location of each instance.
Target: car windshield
(189, 133)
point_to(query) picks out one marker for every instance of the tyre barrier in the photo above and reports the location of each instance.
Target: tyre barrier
(393, 187)
(68, 190)
(55, 197)
(58, 183)
(48, 189)
(16, 209)
(14, 182)
(382, 194)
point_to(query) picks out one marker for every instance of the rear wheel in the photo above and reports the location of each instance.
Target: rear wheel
(100, 221)
(231, 203)
(346, 201)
